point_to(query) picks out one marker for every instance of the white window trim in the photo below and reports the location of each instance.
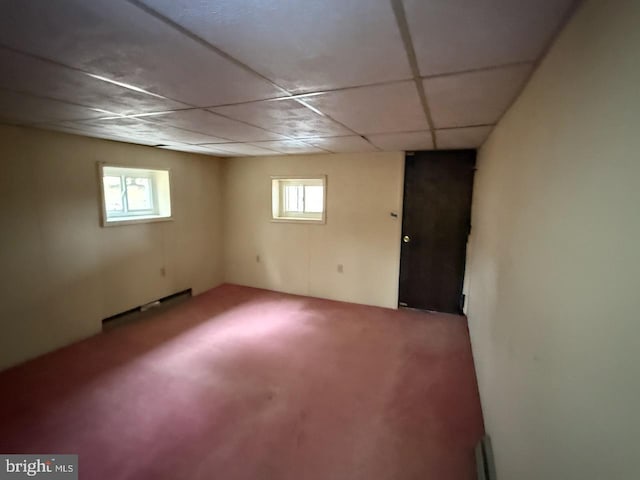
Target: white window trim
(133, 219)
(300, 218)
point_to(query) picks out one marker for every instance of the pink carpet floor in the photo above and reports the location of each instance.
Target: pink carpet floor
(240, 383)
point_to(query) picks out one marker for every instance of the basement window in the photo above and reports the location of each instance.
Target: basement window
(134, 195)
(298, 199)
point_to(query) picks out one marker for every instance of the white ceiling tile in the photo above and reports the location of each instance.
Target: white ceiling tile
(119, 41)
(27, 74)
(27, 109)
(351, 144)
(474, 98)
(386, 108)
(287, 117)
(290, 146)
(181, 147)
(79, 129)
(241, 149)
(138, 128)
(457, 35)
(392, 142)
(209, 123)
(186, 136)
(301, 45)
(130, 131)
(469, 137)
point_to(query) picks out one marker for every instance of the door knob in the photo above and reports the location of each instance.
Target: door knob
(406, 239)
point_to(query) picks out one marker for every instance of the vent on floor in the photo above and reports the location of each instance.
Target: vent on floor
(484, 459)
(144, 311)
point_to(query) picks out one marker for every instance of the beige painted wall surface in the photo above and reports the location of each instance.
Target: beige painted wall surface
(360, 234)
(554, 263)
(61, 271)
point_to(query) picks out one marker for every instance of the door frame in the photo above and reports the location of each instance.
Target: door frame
(462, 297)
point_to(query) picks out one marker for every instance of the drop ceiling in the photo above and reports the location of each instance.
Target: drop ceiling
(269, 77)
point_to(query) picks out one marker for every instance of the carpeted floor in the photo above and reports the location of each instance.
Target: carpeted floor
(240, 383)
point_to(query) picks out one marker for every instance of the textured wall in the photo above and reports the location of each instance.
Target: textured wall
(554, 267)
(63, 272)
(360, 234)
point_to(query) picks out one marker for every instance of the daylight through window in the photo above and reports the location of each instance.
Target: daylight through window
(300, 199)
(135, 194)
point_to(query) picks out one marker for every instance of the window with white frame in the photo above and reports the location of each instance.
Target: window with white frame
(134, 195)
(299, 198)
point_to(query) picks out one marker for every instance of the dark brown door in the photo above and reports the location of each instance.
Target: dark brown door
(435, 226)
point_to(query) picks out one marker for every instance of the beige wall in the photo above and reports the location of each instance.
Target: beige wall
(360, 234)
(61, 271)
(554, 261)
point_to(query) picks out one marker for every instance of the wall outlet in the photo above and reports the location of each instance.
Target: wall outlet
(340, 268)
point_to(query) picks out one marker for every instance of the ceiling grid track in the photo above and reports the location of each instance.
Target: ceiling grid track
(287, 95)
(478, 70)
(244, 98)
(205, 44)
(403, 26)
(139, 117)
(84, 72)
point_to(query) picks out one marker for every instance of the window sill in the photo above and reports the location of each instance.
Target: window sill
(136, 220)
(316, 221)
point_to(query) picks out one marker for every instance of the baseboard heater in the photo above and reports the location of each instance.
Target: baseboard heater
(132, 312)
(484, 459)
